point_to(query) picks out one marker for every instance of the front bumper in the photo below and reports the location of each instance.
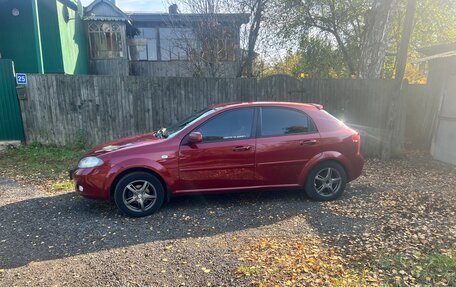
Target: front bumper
(90, 182)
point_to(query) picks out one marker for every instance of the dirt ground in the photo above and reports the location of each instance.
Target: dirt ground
(401, 207)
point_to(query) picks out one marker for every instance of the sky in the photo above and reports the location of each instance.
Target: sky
(138, 5)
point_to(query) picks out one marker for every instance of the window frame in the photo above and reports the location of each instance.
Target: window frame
(253, 133)
(175, 43)
(141, 35)
(312, 127)
(95, 33)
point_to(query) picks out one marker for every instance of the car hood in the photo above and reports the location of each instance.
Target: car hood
(122, 143)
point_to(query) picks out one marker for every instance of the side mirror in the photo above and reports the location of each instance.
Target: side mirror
(195, 137)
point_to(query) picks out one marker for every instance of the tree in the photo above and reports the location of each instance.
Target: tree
(318, 58)
(375, 40)
(206, 42)
(212, 32)
(339, 21)
(405, 40)
(434, 23)
(256, 9)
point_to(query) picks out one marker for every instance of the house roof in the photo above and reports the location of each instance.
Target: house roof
(438, 49)
(104, 10)
(437, 52)
(237, 18)
(436, 56)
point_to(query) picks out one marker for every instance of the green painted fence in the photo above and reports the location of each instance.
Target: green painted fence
(10, 115)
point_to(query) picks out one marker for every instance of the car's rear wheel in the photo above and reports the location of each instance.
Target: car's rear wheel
(326, 181)
(139, 194)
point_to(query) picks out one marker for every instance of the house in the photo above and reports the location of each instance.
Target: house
(162, 44)
(43, 36)
(442, 84)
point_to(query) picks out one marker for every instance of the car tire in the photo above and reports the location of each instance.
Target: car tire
(326, 181)
(139, 194)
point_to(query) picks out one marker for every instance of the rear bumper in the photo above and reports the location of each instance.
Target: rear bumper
(90, 182)
(356, 167)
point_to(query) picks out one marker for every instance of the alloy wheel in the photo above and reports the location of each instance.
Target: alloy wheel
(139, 195)
(327, 181)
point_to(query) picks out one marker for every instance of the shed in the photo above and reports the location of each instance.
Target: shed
(442, 83)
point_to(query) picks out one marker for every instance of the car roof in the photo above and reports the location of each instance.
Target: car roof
(267, 103)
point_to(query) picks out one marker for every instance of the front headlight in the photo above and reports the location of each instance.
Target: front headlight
(90, 161)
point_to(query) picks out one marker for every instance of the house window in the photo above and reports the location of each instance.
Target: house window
(105, 40)
(222, 48)
(149, 52)
(226, 49)
(176, 43)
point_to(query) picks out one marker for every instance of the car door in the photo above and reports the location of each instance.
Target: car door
(225, 159)
(287, 140)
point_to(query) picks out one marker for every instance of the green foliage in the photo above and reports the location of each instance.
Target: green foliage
(435, 23)
(338, 24)
(62, 185)
(37, 162)
(433, 268)
(319, 59)
(315, 58)
(81, 140)
(326, 35)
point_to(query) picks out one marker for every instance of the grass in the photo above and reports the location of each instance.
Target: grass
(430, 269)
(41, 164)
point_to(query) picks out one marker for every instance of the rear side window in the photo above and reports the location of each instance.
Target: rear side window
(282, 121)
(230, 125)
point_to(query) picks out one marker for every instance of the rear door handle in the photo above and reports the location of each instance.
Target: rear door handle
(242, 148)
(308, 142)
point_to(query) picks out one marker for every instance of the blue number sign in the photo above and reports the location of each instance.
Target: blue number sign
(21, 79)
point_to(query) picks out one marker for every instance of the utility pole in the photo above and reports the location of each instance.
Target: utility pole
(405, 40)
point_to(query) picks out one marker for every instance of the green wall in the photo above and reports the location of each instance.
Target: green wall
(50, 40)
(17, 38)
(63, 40)
(72, 40)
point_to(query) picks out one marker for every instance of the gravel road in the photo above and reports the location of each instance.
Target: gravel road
(66, 240)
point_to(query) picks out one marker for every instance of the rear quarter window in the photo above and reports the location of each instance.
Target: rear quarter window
(327, 122)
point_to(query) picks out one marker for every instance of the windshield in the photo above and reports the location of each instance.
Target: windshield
(176, 128)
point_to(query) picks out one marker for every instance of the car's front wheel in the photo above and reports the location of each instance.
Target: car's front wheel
(326, 181)
(139, 194)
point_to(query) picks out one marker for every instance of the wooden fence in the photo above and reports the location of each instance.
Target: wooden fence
(58, 107)
(422, 105)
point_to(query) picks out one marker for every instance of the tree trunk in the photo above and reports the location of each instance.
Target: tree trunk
(346, 57)
(375, 40)
(405, 40)
(247, 66)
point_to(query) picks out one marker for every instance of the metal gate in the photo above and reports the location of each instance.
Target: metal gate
(10, 114)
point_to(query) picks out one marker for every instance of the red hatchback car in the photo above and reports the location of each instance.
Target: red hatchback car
(228, 147)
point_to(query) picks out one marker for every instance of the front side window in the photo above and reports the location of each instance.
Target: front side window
(106, 40)
(283, 121)
(230, 125)
(176, 128)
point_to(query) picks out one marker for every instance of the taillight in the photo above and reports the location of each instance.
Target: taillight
(357, 140)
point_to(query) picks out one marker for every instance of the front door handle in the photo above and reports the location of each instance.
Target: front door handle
(242, 148)
(308, 142)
